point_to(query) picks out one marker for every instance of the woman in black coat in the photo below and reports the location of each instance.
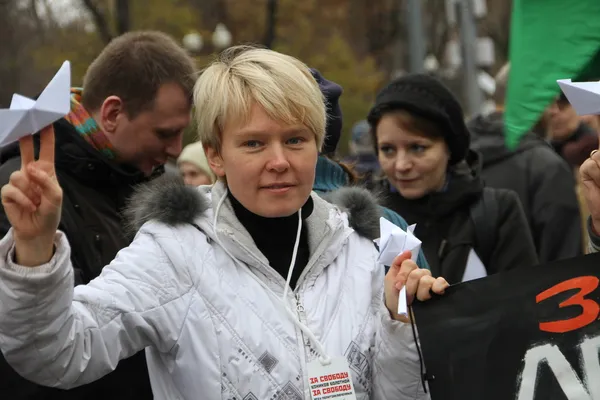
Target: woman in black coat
(433, 179)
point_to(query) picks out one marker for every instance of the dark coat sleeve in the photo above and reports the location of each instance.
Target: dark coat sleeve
(556, 219)
(514, 247)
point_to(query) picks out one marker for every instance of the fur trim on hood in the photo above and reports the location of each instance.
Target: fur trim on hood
(168, 200)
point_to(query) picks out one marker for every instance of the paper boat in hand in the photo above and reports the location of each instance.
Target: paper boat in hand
(392, 242)
(583, 96)
(26, 116)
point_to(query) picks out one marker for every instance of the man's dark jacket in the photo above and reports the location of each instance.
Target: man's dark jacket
(94, 191)
(543, 181)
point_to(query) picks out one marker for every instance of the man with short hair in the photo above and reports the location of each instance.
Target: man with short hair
(124, 124)
(543, 181)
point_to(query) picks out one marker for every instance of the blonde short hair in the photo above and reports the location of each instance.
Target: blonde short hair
(244, 75)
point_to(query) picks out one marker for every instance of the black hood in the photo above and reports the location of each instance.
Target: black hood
(464, 186)
(487, 137)
(77, 157)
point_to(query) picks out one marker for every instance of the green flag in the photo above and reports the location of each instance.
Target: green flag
(549, 40)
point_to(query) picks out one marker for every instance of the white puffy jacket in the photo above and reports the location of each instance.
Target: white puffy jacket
(209, 329)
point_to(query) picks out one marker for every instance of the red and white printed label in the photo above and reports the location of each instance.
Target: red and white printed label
(330, 382)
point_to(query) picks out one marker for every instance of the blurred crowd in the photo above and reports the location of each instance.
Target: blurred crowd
(174, 285)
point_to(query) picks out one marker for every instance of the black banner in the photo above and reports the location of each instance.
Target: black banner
(527, 334)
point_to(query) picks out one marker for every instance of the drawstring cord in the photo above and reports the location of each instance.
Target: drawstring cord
(424, 375)
(324, 359)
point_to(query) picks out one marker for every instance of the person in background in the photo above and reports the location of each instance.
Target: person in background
(543, 181)
(362, 154)
(123, 125)
(193, 166)
(434, 180)
(593, 121)
(571, 137)
(590, 188)
(338, 181)
(236, 290)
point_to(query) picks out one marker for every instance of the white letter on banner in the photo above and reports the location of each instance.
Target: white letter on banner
(571, 385)
(591, 364)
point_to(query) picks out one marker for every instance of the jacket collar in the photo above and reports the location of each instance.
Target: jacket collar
(335, 215)
(327, 229)
(329, 176)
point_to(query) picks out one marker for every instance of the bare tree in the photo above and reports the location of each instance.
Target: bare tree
(436, 28)
(497, 26)
(271, 23)
(102, 21)
(212, 12)
(374, 28)
(123, 16)
(9, 72)
(20, 30)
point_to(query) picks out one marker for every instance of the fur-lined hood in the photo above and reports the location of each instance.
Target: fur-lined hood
(168, 200)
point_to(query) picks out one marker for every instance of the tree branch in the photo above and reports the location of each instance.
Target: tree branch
(271, 23)
(438, 29)
(123, 16)
(51, 21)
(99, 20)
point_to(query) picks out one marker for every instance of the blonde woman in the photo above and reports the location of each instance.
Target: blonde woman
(254, 288)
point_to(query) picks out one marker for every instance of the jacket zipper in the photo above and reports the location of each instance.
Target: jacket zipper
(300, 309)
(302, 343)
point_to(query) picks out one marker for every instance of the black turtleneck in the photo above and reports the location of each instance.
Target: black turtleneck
(275, 238)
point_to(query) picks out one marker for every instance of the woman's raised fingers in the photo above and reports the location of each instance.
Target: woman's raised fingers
(20, 180)
(12, 196)
(26, 149)
(47, 145)
(49, 187)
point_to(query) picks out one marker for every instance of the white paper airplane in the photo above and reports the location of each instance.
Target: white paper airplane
(583, 96)
(392, 242)
(26, 116)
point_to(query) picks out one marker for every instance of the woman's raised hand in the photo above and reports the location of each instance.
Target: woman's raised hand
(32, 201)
